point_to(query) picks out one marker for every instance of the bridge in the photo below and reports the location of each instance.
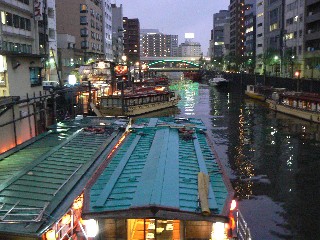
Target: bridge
(172, 64)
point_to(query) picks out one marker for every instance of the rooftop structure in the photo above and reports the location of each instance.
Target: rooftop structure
(41, 178)
(154, 177)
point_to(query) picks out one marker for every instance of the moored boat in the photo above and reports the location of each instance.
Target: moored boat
(144, 100)
(261, 92)
(252, 92)
(164, 181)
(299, 104)
(219, 81)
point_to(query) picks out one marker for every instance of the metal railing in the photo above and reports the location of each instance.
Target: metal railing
(243, 231)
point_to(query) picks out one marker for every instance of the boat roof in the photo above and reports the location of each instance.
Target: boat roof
(154, 174)
(40, 178)
(305, 96)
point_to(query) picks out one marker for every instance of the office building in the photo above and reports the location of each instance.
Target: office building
(218, 44)
(312, 39)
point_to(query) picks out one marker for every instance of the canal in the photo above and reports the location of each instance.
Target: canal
(273, 160)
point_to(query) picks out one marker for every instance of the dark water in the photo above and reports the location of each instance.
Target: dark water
(273, 160)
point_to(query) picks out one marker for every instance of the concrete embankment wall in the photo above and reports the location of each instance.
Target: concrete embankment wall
(295, 84)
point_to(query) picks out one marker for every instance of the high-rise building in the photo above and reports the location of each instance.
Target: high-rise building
(107, 29)
(117, 32)
(156, 44)
(86, 23)
(237, 28)
(293, 41)
(250, 35)
(274, 34)
(312, 39)
(131, 39)
(260, 64)
(219, 21)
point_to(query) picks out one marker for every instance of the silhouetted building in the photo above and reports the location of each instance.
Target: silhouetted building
(131, 40)
(237, 28)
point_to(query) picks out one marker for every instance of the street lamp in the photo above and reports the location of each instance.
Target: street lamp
(276, 58)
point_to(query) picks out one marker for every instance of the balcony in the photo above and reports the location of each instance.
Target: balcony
(312, 35)
(313, 17)
(310, 2)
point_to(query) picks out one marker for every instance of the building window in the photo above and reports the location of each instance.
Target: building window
(35, 76)
(84, 32)
(84, 45)
(9, 21)
(83, 20)
(83, 8)
(50, 12)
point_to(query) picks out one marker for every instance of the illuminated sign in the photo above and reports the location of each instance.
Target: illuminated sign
(38, 10)
(121, 70)
(189, 35)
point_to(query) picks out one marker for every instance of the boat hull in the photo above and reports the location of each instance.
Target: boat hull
(255, 95)
(138, 109)
(300, 113)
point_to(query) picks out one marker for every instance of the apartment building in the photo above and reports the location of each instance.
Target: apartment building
(84, 21)
(24, 52)
(260, 46)
(237, 28)
(250, 36)
(156, 44)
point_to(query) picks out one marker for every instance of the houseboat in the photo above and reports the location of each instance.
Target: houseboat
(299, 104)
(141, 101)
(164, 181)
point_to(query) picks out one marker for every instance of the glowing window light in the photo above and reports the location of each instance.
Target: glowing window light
(218, 231)
(51, 235)
(92, 227)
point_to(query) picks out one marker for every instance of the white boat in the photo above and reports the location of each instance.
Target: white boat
(219, 81)
(299, 104)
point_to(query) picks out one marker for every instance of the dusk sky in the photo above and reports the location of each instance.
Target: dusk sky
(176, 16)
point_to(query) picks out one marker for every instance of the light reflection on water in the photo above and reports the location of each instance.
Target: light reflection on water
(272, 160)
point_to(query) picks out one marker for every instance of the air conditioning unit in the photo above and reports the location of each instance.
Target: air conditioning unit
(49, 84)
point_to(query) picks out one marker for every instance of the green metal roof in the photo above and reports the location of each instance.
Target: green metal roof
(157, 167)
(41, 178)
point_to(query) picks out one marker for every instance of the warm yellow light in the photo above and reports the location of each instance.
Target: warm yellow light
(66, 219)
(233, 205)
(51, 235)
(78, 202)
